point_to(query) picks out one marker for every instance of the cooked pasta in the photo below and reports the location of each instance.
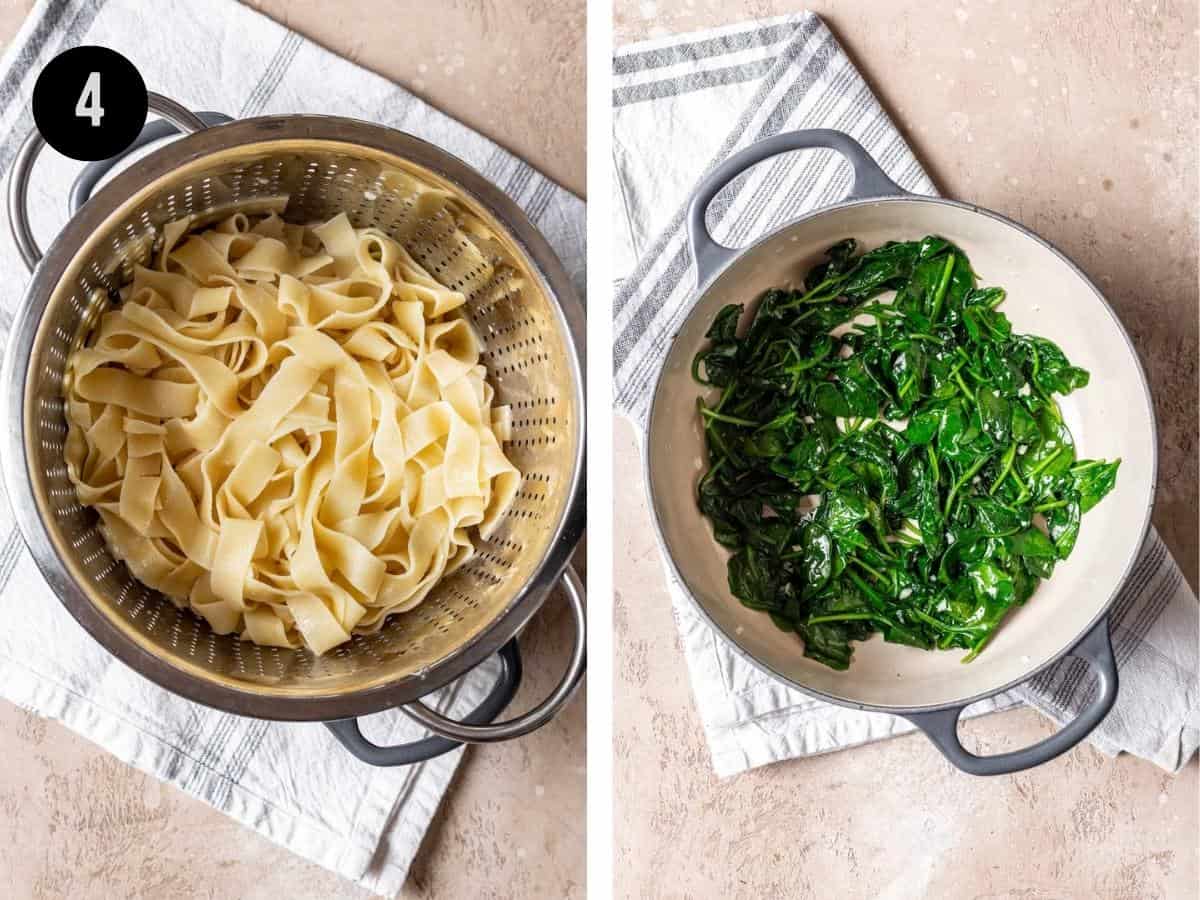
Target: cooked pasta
(287, 428)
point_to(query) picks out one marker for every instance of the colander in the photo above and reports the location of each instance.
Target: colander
(1112, 417)
(530, 323)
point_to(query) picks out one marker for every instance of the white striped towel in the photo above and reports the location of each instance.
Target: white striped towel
(683, 104)
(292, 783)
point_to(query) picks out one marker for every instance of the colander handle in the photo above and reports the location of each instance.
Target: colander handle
(540, 714)
(869, 181)
(86, 181)
(501, 694)
(18, 181)
(941, 726)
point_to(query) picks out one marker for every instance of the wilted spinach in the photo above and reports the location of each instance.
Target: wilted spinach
(897, 467)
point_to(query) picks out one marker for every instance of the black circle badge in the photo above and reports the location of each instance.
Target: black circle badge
(89, 103)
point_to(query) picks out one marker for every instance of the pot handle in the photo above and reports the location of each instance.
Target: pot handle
(869, 181)
(18, 181)
(941, 726)
(351, 737)
(538, 716)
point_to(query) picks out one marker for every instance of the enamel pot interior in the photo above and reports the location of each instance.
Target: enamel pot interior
(1112, 417)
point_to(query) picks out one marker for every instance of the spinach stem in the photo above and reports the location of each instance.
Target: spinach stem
(721, 417)
(725, 395)
(714, 435)
(814, 293)
(1057, 504)
(712, 472)
(940, 294)
(1036, 470)
(1006, 465)
(865, 588)
(841, 617)
(962, 384)
(978, 648)
(933, 463)
(938, 623)
(975, 467)
(879, 576)
(1025, 492)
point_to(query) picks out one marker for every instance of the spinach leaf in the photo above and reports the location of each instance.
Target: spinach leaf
(1094, 478)
(1063, 524)
(995, 414)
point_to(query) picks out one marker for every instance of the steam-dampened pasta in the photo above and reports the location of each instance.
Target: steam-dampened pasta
(287, 428)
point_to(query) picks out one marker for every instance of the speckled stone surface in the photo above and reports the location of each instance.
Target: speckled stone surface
(1080, 120)
(75, 822)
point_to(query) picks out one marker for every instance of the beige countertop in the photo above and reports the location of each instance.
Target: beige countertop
(75, 822)
(1078, 119)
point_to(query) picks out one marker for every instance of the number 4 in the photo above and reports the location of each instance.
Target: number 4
(88, 106)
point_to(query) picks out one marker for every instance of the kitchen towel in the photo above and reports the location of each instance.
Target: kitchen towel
(680, 106)
(292, 783)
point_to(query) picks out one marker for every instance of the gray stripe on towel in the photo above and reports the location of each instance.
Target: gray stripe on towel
(265, 89)
(707, 48)
(692, 81)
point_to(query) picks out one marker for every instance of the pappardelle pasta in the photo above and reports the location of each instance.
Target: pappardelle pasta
(287, 428)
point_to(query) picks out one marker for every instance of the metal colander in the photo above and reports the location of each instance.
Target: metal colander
(518, 299)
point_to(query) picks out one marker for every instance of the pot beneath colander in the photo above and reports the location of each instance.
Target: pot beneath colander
(530, 324)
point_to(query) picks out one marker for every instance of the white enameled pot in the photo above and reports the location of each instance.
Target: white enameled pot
(1112, 417)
